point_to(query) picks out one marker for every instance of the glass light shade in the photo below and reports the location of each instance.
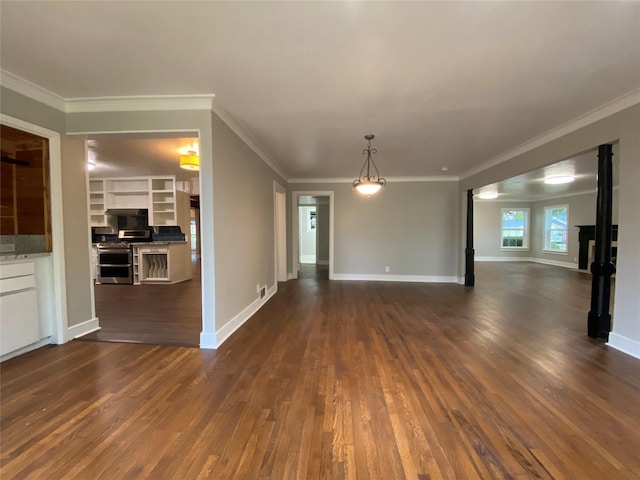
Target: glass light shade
(368, 188)
(558, 179)
(488, 196)
(91, 165)
(191, 161)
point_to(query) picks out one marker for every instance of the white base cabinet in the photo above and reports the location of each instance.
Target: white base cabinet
(19, 320)
(160, 264)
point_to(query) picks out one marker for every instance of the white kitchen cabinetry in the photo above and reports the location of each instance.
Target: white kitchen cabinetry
(96, 203)
(157, 194)
(19, 320)
(161, 263)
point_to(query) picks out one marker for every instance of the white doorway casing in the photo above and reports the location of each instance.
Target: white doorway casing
(54, 294)
(280, 227)
(295, 228)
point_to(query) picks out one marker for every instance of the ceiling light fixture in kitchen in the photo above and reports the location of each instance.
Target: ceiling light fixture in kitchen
(559, 179)
(369, 183)
(190, 161)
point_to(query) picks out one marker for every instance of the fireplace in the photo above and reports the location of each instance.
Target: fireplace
(587, 233)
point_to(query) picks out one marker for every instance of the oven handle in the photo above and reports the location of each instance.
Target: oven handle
(114, 264)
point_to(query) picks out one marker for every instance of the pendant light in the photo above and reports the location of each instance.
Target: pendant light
(190, 161)
(369, 181)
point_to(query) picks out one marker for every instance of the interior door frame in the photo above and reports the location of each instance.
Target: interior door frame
(280, 232)
(294, 227)
(207, 302)
(56, 294)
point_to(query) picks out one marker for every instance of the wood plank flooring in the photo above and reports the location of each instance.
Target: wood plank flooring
(344, 380)
(158, 314)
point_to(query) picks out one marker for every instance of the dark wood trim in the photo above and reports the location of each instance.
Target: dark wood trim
(469, 253)
(599, 319)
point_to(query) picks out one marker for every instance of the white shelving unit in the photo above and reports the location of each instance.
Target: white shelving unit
(96, 203)
(163, 199)
(157, 194)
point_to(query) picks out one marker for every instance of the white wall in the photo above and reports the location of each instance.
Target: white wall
(322, 239)
(487, 230)
(407, 226)
(582, 211)
(306, 238)
(243, 186)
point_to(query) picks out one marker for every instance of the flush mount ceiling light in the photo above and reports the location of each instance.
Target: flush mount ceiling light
(369, 181)
(559, 179)
(190, 161)
(488, 195)
(91, 165)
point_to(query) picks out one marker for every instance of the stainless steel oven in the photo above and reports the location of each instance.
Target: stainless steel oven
(114, 263)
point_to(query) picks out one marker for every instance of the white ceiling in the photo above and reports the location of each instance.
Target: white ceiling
(140, 155)
(530, 186)
(441, 84)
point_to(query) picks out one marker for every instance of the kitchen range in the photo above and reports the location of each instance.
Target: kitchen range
(139, 253)
(114, 263)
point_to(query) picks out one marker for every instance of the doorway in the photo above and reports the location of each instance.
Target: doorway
(313, 234)
(156, 309)
(280, 228)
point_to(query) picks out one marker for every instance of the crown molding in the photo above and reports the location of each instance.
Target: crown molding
(621, 103)
(445, 178)
(388, 179)
(251, 142)
(31, 90)
(141, 103)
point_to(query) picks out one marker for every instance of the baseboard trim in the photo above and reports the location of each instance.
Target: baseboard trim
(502, 259)
(291, 276)
(236, 322)
(624, 344)
(83, 328)
(555, 263)
(28, 348)
(208, 340)
(322, 262)
(395, 278)
(544, 261)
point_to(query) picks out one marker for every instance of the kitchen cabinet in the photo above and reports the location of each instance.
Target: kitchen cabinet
(19, 320)
(161, 263)
(156, 194)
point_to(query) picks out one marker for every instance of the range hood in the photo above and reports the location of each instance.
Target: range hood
(127, 212)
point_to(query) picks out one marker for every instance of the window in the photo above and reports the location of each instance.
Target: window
(515, 228)
(556, 220)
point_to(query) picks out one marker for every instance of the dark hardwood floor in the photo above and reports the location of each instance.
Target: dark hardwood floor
(156, 314)
(334, 380)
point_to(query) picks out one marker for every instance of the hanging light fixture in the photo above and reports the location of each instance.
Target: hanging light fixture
(369, 181)
(190, 161)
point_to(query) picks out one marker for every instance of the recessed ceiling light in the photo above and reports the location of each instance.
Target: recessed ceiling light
(559, 179)
(444, 169)
(488, 196)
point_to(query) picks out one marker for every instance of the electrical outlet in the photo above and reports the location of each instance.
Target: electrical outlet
(258, 288)
(387, 269)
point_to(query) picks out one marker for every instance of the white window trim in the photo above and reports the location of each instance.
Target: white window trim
(545, 231)
(527, 228)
